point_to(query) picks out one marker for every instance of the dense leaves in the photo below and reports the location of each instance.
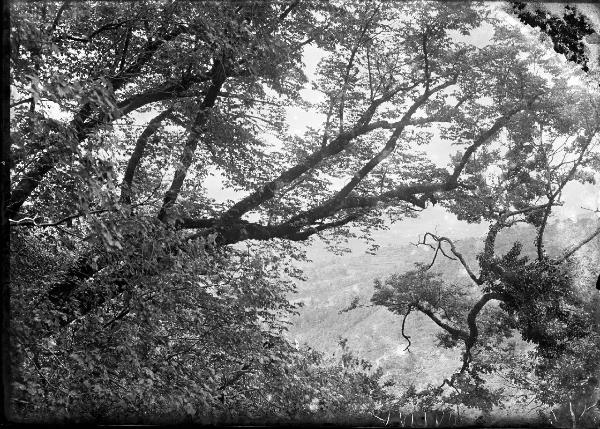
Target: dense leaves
(566, 31)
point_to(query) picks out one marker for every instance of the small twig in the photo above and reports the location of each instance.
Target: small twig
(28, 221)
(32, 222)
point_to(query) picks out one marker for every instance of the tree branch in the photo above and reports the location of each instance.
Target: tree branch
(333, 203)
(349, 65)
(579, 245)
(498, 125)
(552, 197)
(62, 8)
(136, 156)
(81, 129)
(335, 146)
(219, 75)
(406, 337)
(407, 192)
(148, 51)
(240, 230)
(455, 252)
(454, 332)
(17, 103)
(288, 9)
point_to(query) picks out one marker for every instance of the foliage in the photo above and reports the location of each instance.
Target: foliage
(567, 31)
(204, 350)
(519, 181)
(542, 305)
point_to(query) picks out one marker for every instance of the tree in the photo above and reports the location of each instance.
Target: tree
(117, 241)
(567, 32)
(383, 95)
(530, 293)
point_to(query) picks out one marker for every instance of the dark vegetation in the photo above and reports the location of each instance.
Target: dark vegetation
(566, 32)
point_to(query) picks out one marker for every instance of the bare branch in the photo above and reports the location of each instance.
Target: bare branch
(455, 252)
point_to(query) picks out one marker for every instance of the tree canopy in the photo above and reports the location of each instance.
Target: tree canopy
(135, 288)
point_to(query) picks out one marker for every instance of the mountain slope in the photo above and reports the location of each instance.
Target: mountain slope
(373, 332)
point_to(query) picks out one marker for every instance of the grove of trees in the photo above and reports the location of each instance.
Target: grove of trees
(138, 295)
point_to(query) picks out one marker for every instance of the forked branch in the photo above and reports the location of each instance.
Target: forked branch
(438, 248)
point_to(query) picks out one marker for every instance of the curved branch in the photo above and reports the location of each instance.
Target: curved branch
(136, 156)
(455, 252)
(454, 332)
(472, 316)
(406, 337)
(472, 323)
(470, 338)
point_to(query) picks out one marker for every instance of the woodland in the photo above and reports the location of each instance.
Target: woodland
(138, 295)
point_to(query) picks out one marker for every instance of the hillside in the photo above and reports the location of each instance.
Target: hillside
(373, 332)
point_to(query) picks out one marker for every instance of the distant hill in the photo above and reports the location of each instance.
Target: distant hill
(373, 332)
